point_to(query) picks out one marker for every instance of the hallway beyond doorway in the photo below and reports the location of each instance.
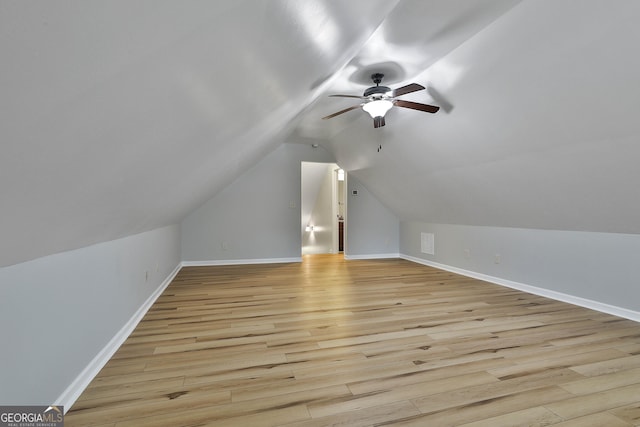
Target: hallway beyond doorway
(323, 208)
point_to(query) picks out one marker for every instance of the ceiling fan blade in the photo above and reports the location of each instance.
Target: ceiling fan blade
(348, 96)
(416, 106)
(413, 87)
(341, 112)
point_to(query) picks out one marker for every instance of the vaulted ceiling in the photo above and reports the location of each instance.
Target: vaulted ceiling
(123, 116)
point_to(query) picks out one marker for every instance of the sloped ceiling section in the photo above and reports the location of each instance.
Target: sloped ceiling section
(538, 129)
(120, 117)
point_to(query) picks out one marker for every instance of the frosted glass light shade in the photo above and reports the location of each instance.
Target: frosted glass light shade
(377, 108)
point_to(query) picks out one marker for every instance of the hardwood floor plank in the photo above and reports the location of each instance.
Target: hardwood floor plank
(101, 396)
(476, 410)
(445, 399)
(250, 339)
(603, 382)
(418, 376)
(370, 338)
(377, 416)
(629, 413)
(404, 392)
(363, 343)
(142, 407)
(532, 417)
(595, 420)
(608, 366)
(525, 368)
(232, 380)
(267, 418)
(596, 402)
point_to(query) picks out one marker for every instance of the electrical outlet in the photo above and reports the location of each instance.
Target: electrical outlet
(497, 259)
(225, 246)
(146, 275)
(467, 253)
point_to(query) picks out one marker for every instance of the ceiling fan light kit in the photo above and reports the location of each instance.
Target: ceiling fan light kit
(380, 99)
(378, 107)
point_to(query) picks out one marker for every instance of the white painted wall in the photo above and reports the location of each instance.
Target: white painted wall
(257, 217)
(371, 228)
(599, 267)
(320, 240)
(251, 219)
(58, 312)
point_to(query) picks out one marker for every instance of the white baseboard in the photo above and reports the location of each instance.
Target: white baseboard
(371, 256)
(559, 296)
(240, 261)
(71, 394)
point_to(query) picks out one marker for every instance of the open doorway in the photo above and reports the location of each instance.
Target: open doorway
(323, 208)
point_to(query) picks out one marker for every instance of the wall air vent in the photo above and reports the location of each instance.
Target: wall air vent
(427, 243)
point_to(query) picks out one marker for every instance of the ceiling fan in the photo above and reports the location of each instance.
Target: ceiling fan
(379, 99)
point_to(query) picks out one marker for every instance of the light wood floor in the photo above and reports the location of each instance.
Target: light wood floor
(364, 343)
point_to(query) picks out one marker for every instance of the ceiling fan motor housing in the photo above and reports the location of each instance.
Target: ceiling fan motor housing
(376, 90)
